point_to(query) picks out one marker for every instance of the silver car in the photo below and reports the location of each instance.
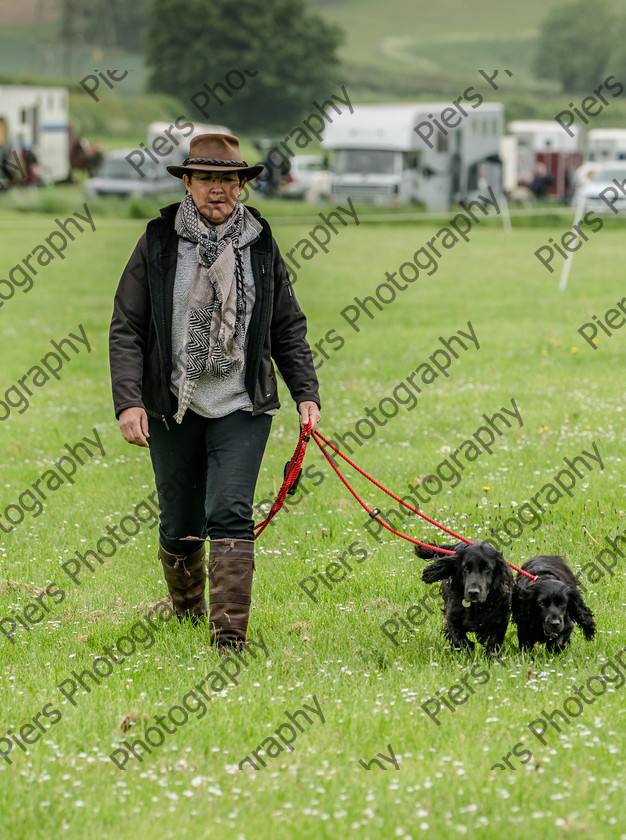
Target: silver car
(306, 174)
(601, 189)
(118, 178)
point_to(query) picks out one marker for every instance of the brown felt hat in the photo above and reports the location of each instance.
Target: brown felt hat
(215, 153)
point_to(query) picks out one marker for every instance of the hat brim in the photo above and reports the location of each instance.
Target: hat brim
(248, 172)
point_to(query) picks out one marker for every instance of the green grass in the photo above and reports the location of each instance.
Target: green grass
(52, 200)
(369, 690)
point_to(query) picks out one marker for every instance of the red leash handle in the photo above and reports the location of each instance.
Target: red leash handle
(290, 477)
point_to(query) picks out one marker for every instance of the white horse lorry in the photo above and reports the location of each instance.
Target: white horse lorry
(37, 118)
(426, 152)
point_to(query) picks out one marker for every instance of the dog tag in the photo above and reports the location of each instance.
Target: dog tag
(466, 603)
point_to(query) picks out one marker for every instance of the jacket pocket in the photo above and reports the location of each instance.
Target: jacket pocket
(267, 388)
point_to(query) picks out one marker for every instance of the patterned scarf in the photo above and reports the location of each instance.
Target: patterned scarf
(217, 306)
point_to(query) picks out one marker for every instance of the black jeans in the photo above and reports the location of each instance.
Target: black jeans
(206, 473)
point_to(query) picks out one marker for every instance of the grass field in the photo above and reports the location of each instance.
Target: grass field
(370, 691)
(445, 26)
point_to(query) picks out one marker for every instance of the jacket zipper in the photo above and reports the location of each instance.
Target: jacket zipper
(261, 333)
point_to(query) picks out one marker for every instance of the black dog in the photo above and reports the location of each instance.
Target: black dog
(476, 590)
(546, 610)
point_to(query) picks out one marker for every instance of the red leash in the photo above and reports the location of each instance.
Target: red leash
(319, 437)
(294, 468)
(291, 474)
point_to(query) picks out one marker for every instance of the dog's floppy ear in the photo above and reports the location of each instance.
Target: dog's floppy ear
(524, 595)
(580, 613)
(428, 553)
(502, 578)
(424, 553)
(441, 568)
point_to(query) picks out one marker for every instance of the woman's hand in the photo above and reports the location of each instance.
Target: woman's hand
(134, 426)
(309, 412)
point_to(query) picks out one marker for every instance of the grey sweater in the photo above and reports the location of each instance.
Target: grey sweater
(214, 396)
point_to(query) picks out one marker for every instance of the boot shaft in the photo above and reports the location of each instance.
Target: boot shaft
(186, 580)
(231, 569)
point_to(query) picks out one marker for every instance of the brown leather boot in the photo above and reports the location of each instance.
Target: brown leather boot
(186, 579)
(231, 566)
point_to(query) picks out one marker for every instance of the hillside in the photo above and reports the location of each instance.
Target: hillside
(399, 48)
(396, 50)
(436, 40)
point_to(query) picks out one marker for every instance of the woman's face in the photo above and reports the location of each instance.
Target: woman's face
(214, 193)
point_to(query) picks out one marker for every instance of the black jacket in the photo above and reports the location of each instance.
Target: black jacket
(140, 338)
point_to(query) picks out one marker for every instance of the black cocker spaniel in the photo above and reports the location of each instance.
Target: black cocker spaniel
(547, 609)
(476, 589)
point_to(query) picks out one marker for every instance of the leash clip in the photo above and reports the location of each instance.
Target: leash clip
(374, 512)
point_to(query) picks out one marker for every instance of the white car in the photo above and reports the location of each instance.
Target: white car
(601, 178)
(118, 178)
(307, 178)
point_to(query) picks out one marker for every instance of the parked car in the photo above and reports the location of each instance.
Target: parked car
(603, 176)
(118, 178)
(306, 172)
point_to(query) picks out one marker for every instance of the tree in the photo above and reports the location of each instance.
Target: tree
(575, 45)
(286, 56)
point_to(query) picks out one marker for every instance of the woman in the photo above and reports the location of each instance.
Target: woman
(202, 307)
